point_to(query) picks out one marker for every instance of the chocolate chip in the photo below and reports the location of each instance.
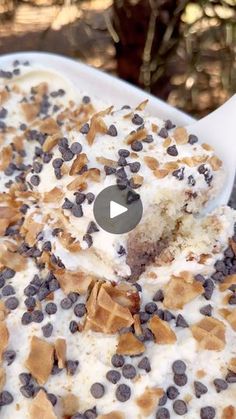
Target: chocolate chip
(112, 131)
(192, 139)
(134, 167)
(26, 318)
(47, 247)
(169, 124)
(144, 364)
(158, 296)
(57, 163)
(172, 392)
(80, 310)
(207, 412)
(122, 161)
(199, 389)
(113, 376)
(73, 296)
(132, 197)
(11, 303)
(92, 228)
(37, 166)
(30, 302)
(37, 316)
(180, 407)
(77, 211)
(5, 398)
(90, 413)
(163, 133)
(52, 398)
(128, 371)
(84, 129)
(172, 150)
(72, 366)
(122, 183)
(3, 113)
(47, 330)
(220, 385)
(73, 326)
(66, 303)
(109, 170)
(27, 390)
(90, 197)
(117, 361)
(191, 181)
(150, 308)
(180, 379)
(231, 377)
(51, 308)
(123, 393)
(179, 366)
(86, 100)
(232, 299)
(144, 317)
(136, 146)
(88, 239)
(179, 173)
(97, 390)
(181, 322)
(163, 413)
(163, 400)
(30, 291)
(167, 316)
(121, 251)
(67, 154)
(9, 356)
(25, 378)
(200, 278)
(35, 180)
(123, 152)
(206, 310)
(137, 119)
(8, 290)
(76, 148)
(209, 288)
(148, 139)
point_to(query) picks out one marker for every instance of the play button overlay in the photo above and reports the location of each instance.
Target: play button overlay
(118, 211)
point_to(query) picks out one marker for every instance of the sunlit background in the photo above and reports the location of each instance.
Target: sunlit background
(182, 51)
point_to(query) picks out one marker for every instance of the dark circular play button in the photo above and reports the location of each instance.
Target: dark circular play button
(118, 211)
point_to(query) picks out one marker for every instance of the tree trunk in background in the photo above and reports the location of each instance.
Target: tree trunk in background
(148, 33)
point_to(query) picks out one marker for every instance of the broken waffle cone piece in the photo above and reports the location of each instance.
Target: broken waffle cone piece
(2, 378)
(40, 359)
(105, 314)
(148, 401)
(129, 345)
(115, 414)
(41, 407)
(163, 334)
(228, 281)
(4, 337)
(74, 281)
(232, 365)
(229, 412)
(60, 352)
(70, 404)
(179, 291)
(210, 334)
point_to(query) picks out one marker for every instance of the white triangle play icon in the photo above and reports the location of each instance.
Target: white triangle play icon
(116, 209)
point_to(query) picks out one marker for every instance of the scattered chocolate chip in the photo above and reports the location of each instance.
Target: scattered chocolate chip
(76, 148)
(232, 299)
(163, 400)
(137, 119)
(122, 161)
(163, 133)
(67, 154)
(112, 131)
(5, 398)
(206, 310)
(123, 152)
(117, 361)
(123, 393)
(179, 173)
(84, 129)
(66, 303)
(179, 366)
(128, 371)
(180, 379)
(192, 139)
(51, 308)
(97, 390)
(220, 385)
(150, 308)
(57, 163)
(163, 413)
(113, 376)
(35, 180)
(144, 364)
(47, 247)
(169, 124)
(37, 316)
(231, 377)
(109, 170)
(199, 389)
(181, 322)
(73, 326)
(191, 181)
(134, 167)
(47, 330)
(180, 407)
(26, 318)
(86, 100)
(11, 303)
(71, 367)
(27, 390)
(136, 146)
(92, 228)
(77, 211)
(90, 197)
(25, 378)
(172, 150)
(172, 392)
(52, 398)
(148, 139)
(3, 113)
(80, 310)
(9, 356)
(88, 239)
(158, 296)
(207, 412)
(132, 197)
(8, 290)
(209, 288)
(90, 413)
(30, 290)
